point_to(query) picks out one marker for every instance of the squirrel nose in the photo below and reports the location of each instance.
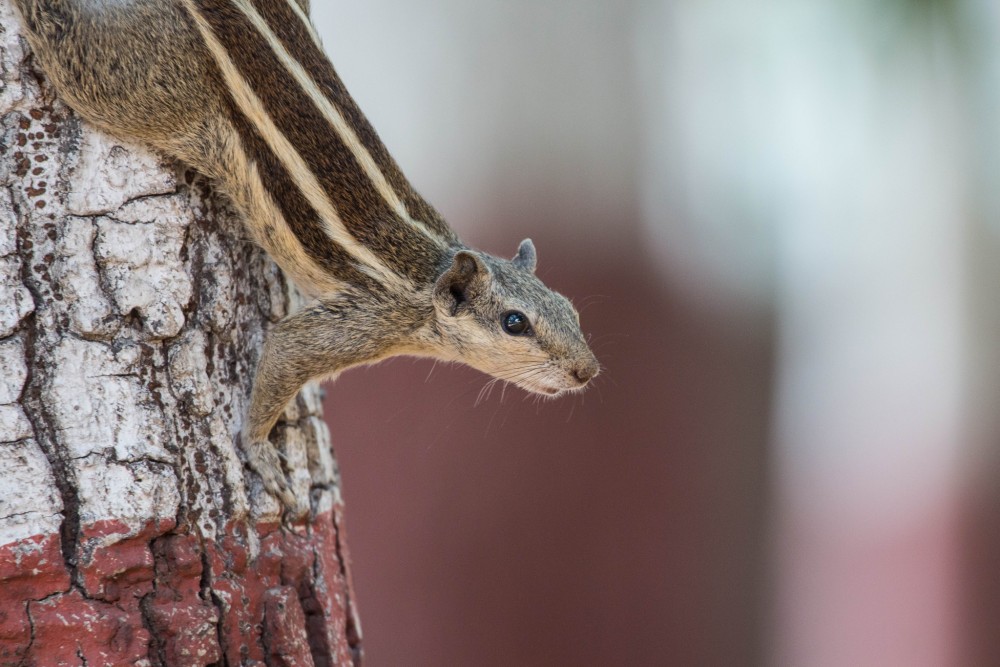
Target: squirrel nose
(584, 373)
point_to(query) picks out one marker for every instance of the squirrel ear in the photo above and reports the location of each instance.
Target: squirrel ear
(463, 280)
(526, 258)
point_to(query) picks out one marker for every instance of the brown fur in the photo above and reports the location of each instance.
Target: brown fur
(388, 274)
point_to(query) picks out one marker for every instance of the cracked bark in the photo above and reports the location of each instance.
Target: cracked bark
(132, 311)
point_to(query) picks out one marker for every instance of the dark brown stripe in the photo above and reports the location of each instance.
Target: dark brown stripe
(298, 42)
(364, 212)
(300, 217)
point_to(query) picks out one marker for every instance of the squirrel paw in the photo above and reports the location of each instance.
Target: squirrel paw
(266, 461)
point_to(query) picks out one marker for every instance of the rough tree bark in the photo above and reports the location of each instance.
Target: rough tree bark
(131, 314)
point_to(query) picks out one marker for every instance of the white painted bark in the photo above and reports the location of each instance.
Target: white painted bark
(132, 311)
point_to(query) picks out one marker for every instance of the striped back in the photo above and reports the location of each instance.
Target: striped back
(332, 181)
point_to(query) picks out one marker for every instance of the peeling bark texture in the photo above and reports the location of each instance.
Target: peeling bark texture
(132, 311)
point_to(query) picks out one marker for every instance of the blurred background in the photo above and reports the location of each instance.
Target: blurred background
(780, 220)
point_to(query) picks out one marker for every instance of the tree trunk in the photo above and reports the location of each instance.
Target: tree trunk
(132, 310)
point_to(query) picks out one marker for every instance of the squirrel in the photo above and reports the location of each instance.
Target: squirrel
(241, 91)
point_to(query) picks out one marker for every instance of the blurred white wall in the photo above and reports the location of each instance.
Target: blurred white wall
(837, 157)
(492, 100)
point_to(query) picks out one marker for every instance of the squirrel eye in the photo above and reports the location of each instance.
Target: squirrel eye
(515, 323)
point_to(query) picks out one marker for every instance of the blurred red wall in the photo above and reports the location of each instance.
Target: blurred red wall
(624, 526)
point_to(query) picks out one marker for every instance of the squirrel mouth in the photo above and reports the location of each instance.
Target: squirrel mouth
(544, 389)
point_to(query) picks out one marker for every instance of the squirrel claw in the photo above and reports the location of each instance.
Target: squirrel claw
(266, 461)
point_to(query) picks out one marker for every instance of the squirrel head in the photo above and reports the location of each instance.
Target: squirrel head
(496, 316)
